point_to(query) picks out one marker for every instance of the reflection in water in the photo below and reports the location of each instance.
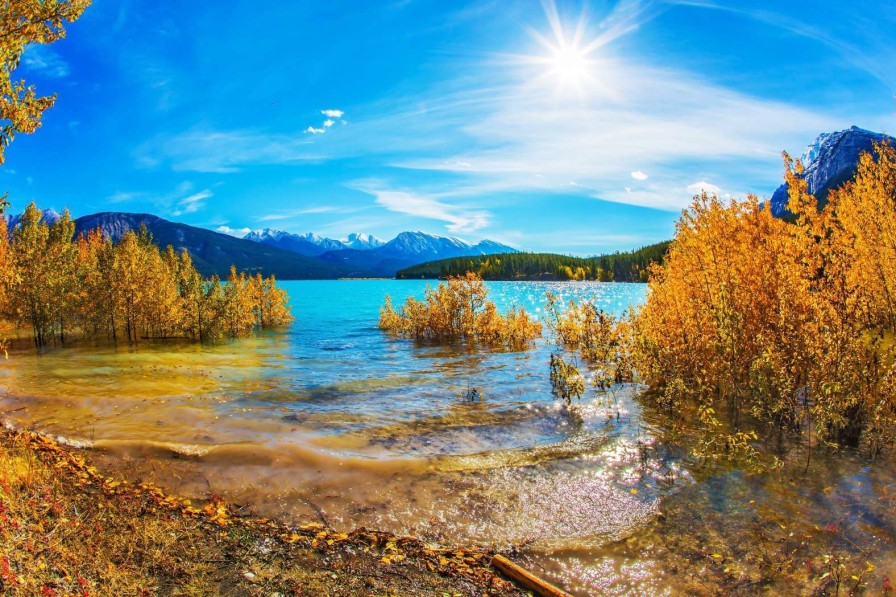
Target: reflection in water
(332, 420)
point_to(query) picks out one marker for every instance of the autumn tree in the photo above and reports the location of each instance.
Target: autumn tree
(24, 22)
(29, 298)
(752, 318)
(91, 287)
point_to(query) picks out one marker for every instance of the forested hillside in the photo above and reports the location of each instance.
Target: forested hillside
(630, 266)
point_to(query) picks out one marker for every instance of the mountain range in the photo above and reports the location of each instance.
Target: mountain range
(310, 243)
(287, 256)
(213, 252)
(363, 255)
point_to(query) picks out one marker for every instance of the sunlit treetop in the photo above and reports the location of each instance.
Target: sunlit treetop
(24, 22)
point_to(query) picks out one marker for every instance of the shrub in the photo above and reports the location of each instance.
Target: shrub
(458, 310)
(603, 341)
(783, 322)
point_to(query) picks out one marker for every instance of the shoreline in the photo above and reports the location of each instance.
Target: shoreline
(141, 539)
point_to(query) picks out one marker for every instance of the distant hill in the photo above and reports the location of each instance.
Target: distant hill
(619, 267)
(829, 162)
(213, 252)
(407, 249)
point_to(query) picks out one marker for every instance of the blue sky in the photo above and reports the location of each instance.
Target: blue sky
(570, 127)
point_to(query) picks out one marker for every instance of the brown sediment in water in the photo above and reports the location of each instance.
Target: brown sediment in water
(67, 529)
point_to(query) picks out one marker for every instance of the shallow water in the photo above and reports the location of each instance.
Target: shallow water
(331, 419)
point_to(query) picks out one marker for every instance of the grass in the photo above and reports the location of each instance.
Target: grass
(65, 529)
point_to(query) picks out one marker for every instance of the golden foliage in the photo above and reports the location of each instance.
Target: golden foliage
(94, 288)
(567, 380)
(458, 310)
(24, 22)
(777, 321)
(599, 338)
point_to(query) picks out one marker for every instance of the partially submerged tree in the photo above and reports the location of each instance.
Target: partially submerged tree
(93, 288)
(459, 310)
(791, 323)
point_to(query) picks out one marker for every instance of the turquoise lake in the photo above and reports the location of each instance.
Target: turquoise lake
(332, 420)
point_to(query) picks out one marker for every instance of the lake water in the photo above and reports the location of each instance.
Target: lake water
(333, 420)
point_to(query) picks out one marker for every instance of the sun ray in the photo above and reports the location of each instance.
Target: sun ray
(571, 53)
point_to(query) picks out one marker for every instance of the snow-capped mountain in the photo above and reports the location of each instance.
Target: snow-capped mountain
(311, 243)
(431, 246)
(327, 244)
(362, 241)
(367, 255)
(411, 248)
(829, 162)
(303, 244)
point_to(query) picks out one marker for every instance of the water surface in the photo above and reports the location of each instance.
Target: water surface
(330, 419)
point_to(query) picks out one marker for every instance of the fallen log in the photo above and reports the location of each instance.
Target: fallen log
(526, 579)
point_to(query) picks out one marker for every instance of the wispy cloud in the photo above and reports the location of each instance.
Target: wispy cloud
(192, 203)
(124, 197)
(860, 37)
(499, 130)
(171, 201)
(222, 151)
(333, 113)
(457, 219)
(41, 58)
(665, 119)
(315, 209)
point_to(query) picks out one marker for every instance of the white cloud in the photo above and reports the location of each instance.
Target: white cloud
(701, 186)
(237, 232)
(457, 219)
(672, 123)
(326, 124)
(192, 204)
(41, 58)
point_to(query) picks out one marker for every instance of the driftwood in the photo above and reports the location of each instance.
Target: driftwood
(526, 579)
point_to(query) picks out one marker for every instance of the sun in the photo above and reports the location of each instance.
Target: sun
(567, 57)
(569, 64)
